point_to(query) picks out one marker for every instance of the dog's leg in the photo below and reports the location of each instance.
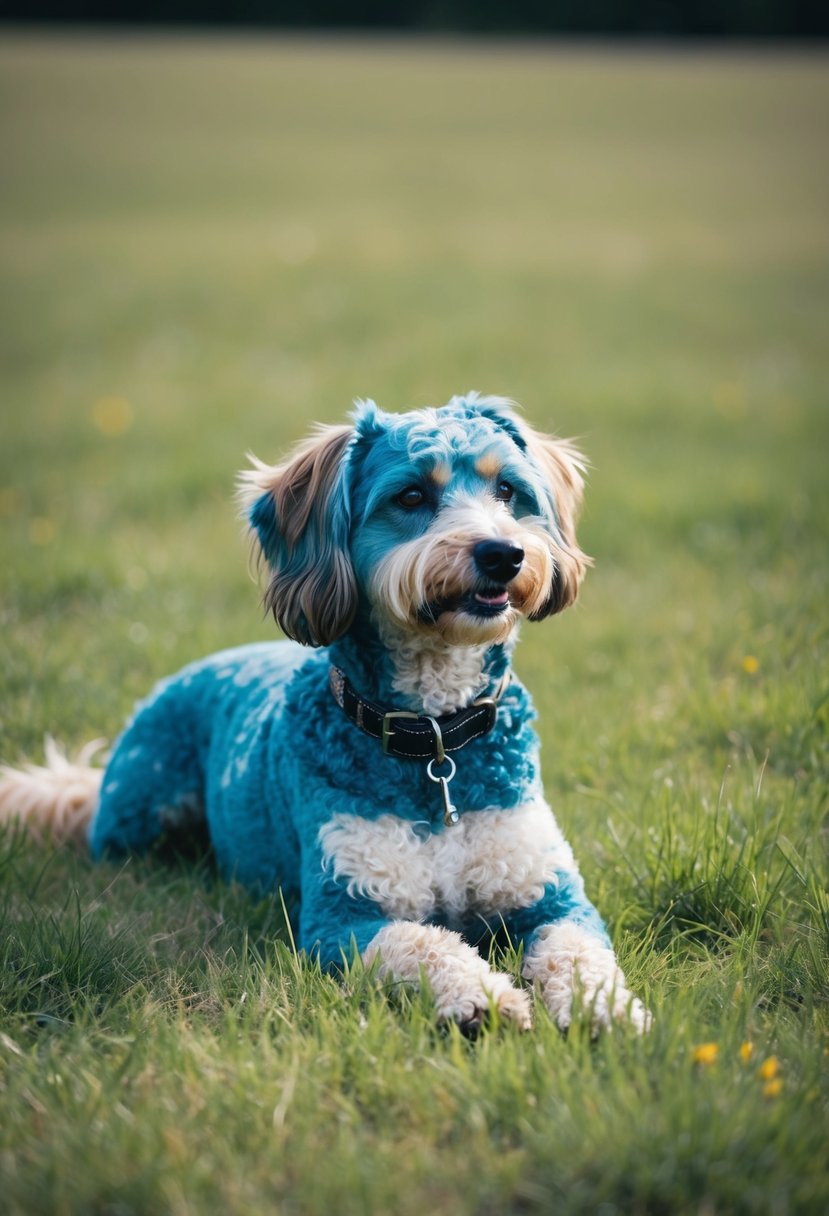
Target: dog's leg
(153, 784)
(333, 924)
(567, 950)
(564, 957)
(462, 982)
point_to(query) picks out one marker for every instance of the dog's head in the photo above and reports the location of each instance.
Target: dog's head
(458, 521)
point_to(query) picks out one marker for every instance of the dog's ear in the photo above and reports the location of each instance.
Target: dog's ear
(561, 467)
(299, 512)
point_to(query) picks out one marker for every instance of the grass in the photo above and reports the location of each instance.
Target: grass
(208, 244)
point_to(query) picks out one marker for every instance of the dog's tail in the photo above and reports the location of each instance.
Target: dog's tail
(56, 801)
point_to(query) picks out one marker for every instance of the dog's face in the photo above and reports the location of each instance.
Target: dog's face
(456, 522)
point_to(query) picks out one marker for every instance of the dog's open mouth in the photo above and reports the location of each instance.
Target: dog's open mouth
(487, 603)
(484, 602)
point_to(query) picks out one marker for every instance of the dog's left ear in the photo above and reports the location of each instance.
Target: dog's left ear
(562, 466)
(300, 515)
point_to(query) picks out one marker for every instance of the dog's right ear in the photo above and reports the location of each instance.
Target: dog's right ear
(300, 516)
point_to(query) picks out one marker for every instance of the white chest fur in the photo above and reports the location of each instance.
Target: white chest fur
(491, 861)
(428, 673)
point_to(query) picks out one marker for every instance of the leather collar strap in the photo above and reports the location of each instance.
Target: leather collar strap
(408, 735)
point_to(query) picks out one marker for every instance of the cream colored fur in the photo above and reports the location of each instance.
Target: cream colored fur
(430, 676)
(565, 958)
(463, 984)
(490, 861)
(57, 800)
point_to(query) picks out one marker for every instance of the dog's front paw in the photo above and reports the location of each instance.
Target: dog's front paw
(565, 959)
(462, 983)
(609, 1005)
(470, 999)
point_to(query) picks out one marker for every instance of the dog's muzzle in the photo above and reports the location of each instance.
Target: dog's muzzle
(499, 561)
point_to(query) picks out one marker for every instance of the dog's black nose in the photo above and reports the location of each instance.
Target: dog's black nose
(499, 560)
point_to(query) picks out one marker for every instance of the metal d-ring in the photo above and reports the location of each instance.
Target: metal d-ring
(440, 754)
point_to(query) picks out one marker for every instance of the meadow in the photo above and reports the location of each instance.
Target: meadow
(207, 244)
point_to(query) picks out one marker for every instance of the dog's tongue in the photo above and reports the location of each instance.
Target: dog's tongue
(493, 600)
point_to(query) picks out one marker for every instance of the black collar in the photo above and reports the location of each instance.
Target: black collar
(408, 735)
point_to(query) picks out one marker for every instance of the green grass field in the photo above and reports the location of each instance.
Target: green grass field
(206, 245)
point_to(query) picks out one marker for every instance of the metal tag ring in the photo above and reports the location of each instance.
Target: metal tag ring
(452, 770)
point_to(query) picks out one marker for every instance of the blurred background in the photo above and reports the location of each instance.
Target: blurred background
(211, 239)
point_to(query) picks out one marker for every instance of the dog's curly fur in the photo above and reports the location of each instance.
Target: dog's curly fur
(372, 535)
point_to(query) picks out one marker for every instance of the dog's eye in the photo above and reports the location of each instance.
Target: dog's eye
(504, 491)
(411, 497)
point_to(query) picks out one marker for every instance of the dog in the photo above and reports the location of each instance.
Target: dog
(381, 766)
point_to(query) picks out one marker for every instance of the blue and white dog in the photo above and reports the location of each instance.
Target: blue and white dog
(388, 779)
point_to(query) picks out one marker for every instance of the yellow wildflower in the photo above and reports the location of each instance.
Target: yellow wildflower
(772, 1088)
(750, 664)
(112, 415)
(730, 398)
(746, 1051)
(41, 530)
(769, 1068)
(706, 1053)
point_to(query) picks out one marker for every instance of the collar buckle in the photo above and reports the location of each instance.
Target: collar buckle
(388, 729)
